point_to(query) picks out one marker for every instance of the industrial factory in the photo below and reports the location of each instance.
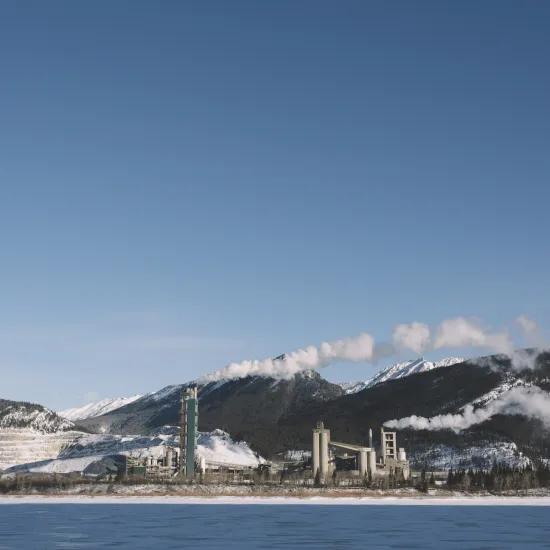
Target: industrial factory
(325, 455)
(175, 461)
(328, 460)
(183, 461)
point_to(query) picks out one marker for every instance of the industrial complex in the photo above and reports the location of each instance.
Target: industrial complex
(325, 452)
(327, 460)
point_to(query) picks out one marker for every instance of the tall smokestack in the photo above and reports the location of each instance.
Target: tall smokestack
(370, 438)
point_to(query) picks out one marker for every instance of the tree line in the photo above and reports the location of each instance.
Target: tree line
(499, 478)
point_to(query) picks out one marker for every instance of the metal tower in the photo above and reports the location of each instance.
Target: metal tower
(189, 415)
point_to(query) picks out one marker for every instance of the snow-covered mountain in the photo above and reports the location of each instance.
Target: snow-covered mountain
(399, 370)
(17, 414)
(97, 408)
(275, 416)
(31, 432)
(242, 407)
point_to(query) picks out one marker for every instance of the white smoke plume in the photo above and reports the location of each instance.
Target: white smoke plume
(528, 326)
(531, 402)
(451, 333)
(417, 337)
(522, 359)
(359, 348)
(532, 333)
(461, 332)
(414, 336)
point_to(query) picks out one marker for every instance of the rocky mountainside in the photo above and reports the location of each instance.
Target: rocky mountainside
(30, 432)
(106, 406)
(246, 408)
(400, 370)
(18, 414)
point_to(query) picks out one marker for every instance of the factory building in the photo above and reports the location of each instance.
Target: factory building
(154, 466)
(325, 453)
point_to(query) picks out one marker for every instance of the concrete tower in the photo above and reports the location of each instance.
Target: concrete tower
(320, 458)
(388, 443)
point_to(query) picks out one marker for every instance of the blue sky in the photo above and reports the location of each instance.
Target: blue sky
(187, 184)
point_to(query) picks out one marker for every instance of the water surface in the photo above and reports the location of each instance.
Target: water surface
(166, 526)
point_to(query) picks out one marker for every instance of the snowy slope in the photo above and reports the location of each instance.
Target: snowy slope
(399, 370)
(510, 383)
(31, 432)
(21, 445)
(17, 414)
(216, 447)
(484, 455)
(97, 408)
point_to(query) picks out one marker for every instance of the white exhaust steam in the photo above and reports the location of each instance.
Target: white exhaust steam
(531, 402)
(359, 348)
(416, 337)
(451, 333)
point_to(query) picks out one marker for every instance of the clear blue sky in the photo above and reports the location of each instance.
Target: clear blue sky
(183, 184)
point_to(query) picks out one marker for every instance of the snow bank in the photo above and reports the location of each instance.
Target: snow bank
(285, 501)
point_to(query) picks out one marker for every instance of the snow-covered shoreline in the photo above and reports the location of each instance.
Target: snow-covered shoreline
(280, 500)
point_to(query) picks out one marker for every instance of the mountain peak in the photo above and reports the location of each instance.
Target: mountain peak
(400, 370)
(18, 414)
(97, 408)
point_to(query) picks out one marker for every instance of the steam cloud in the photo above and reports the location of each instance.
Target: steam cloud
(528, 326)
(531, 332)
(451, 333)
(460, 332)
(359, 348)
(416, 337)
(531, 402)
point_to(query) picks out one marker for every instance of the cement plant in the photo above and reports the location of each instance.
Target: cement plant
(348, 463)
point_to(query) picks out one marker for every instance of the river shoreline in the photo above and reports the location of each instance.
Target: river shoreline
(221, 494)
(330, 501)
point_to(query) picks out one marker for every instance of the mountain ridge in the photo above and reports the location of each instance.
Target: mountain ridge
(96, 408)
(276, 416)
(23, 414)
(400, 370)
